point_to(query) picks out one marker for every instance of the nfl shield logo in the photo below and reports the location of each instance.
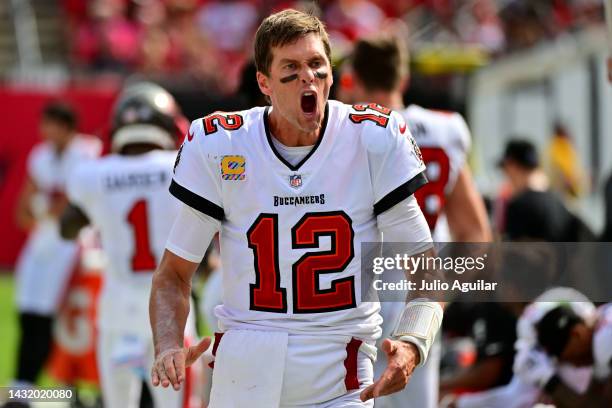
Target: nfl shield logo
(295, 181)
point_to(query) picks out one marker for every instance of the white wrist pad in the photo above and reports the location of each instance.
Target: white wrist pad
(419, 323)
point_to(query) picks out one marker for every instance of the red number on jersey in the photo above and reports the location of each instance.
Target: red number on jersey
(267, 295)
(308, 298)
(143, 259)
(373, 106)
(431, 197)
(228, 121)
(380, 116)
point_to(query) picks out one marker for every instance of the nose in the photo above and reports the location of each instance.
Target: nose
(307, 75)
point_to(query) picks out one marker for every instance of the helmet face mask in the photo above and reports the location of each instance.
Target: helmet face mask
(145, 113)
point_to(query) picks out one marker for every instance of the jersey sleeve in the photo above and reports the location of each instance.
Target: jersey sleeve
(396, 164)
(197, 174)
(82, 185)
(34, 164)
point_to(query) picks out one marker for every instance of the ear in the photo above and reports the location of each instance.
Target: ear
(264, 85)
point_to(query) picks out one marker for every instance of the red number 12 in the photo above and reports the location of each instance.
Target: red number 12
(266, 294)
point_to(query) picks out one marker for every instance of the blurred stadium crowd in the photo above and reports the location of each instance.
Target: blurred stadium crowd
(210, 40)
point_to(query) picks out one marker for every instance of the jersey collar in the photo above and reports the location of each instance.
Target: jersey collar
(314, 148)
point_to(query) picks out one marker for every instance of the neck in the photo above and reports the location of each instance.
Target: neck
(61, 146)
(537, 180)
(534, 180)
(289, 134)
(391, 99)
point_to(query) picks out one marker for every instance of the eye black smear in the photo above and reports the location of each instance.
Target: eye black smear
(321, 74)
(289, 78)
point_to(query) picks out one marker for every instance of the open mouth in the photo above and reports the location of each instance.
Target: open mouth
(308, 102)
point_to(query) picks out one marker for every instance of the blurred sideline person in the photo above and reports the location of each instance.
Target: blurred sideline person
(563, 336)
(278, 182)
(534, 212)
(449, 201)
(46, 261)
(125, 196)
(567, 175)
(519, 393)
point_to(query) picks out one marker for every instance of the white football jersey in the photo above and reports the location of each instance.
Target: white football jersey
(444, 140)
(126, 198)
(291, 235)
(602, 343)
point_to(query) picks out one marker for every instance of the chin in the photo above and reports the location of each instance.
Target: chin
(311, 124)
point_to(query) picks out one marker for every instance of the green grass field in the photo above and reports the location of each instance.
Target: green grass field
(8, 329)
(9, 334)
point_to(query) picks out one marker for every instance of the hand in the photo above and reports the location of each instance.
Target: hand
(402, 358)
(533, 367)
(169, 366)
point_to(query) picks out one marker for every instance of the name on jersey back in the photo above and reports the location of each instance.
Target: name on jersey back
(115, 182)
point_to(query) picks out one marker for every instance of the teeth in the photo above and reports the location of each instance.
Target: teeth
(308, 93)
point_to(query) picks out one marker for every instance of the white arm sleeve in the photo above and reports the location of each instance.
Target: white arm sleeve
(405, 222)
(191, 234)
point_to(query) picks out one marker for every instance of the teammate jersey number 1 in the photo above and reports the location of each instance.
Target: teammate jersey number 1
(143, 259)
(266, 294)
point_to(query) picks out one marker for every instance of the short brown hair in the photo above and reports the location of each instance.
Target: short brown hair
(379, 63)
(285, 27)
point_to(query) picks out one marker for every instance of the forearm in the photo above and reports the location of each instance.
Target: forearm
(405, 223)
(466, 212)
(168, 307)
(24, 218)
(170, 293)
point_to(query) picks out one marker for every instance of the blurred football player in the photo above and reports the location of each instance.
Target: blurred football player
(125, 196)
(518, 393)
(294, 189)
(449, 199)
(566, 337)
(46, 261)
